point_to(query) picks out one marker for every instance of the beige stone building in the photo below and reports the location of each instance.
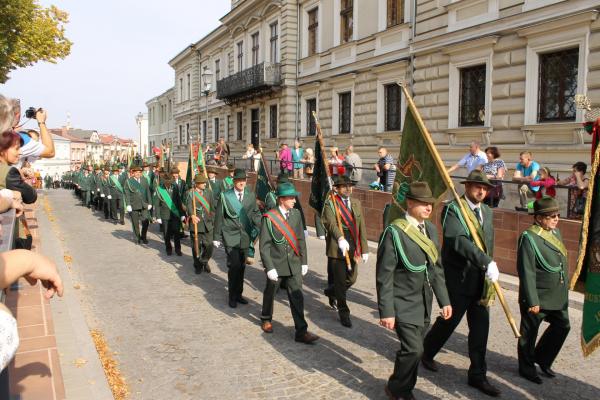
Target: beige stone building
(502, 72)
(161, 125)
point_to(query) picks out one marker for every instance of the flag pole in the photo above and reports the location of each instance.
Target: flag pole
(448, 181)
(194, 201)
(331, 195)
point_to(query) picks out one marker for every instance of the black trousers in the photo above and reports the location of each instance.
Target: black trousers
(478, 319)
(105, 207)
(293, 285)
(170, 230)
(136, 217)
(549, 344)
(236, 264)
(342, 281)
(116, 206)
(205, 247)
(404, 378)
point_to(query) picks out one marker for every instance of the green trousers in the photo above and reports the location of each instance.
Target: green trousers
(404, 378)
(293, 285)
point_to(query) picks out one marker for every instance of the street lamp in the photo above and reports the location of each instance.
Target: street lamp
(138, 119)
(206, 84)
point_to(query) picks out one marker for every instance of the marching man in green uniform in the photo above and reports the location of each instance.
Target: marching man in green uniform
(466, 270)
(181, 187)
(237, 223)
(352, 241)
(543, 291)
(85, 185)
(105, 191)
(139, 203)
(271, 201)
(283, 253)
(409, 272)
(169, 213)
(204, 220)
(214, 184)
(97, 187)
(227, 182)
(115, 196)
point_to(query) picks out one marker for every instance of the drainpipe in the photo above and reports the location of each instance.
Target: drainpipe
(296, 133)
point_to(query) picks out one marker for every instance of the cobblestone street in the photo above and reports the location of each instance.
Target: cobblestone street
(176, 338)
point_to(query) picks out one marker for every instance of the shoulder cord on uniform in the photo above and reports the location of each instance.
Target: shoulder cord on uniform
(400, 252)
(542, 261)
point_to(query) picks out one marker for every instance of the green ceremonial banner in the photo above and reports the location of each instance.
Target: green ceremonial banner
(415, 163)
(588, 263)
(189, 175)
(263, 187)
(319, 187)
(200, 158)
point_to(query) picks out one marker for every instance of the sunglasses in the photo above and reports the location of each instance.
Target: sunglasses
(553, 216)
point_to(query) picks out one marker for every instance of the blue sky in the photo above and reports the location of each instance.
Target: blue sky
(118, 61)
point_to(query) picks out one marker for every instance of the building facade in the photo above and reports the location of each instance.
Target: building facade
(161, 125)
(501, 72)
(60, 163)
(141, 120)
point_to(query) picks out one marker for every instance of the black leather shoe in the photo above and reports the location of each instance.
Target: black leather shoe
(169, 252)
(197, 269)
(486, 387)
(332, 300)
(242, 300)
(532, 378)
(429, 364)
(548, 371)
(232, 303)
(207, 268)
(346, 322)
(178, 252)
(307, 338)
(392, 397)
(145, 241)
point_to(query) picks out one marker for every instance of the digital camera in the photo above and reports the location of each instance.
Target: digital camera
(30, 112)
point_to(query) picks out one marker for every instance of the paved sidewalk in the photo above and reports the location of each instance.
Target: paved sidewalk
(176, 338)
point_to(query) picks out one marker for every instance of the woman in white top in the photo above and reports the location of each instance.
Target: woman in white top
(249, 155)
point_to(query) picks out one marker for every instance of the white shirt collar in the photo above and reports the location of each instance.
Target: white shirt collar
(413, 221)
(282, 210)
(237, 193)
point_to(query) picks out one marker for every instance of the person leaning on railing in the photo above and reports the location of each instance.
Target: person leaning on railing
(15, 264)
(578, 188)
(494, 169)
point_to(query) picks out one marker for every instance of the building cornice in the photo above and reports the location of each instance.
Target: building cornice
(580, 19)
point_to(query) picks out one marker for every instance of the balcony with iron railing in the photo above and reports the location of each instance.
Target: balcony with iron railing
(259, 79)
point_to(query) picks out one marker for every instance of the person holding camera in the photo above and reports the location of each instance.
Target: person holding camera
(32, 150)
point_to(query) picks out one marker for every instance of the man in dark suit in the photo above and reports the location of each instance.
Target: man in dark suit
(543, 294)
(115, 197)
(169, 213)
(203, 218)
(409, 271)
(237, 224)
(352, 240)
(284, 257)
(139, 202)
(466, 269)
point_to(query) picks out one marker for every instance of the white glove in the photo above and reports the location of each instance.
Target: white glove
(129, 209)
(183, 218)
(322, 237)
(216, 243)
(365, 257)
(305, 234)
(492, 272)
(343, 245)
(109, 197)
(272, 275)
(159, 221)
(149, 206)
(97, 190)
(102, 195)
(304, 270)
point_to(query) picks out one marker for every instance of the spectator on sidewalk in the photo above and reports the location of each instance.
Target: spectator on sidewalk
(474, 159)
(297, 156)
(526, 172)
(385, 168)
(335, 162)
(257, 157)
(15, 264)
(494, 169)
(222, 152)
(353, 164)
(545, 184)
(309, 162)
(249, 155)
(285, 159)
(578, 189)
(32, 150)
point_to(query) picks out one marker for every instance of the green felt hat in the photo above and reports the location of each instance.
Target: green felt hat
(283, 177)
(286, 189)
(478, 177)
(200, 178)
(230, 167)
(545, 205)
(239, 174)
(339, 180)
(420, 191)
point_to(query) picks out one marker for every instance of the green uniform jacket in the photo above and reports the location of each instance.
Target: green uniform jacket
(537, 286)
(85, 182)
(138, 200)
(464, 263)
(403, 294)
(162, 210)
(229, 230)
(333, 233)
(105, 186)
(215, 188)
(181, 187)
(271, 202)
(96, 184)
(114, 190)
(207, 220)
(275, 251)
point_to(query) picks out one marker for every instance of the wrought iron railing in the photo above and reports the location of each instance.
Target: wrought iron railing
(255, 79)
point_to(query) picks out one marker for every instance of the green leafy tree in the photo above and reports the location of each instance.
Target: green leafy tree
(30, 33)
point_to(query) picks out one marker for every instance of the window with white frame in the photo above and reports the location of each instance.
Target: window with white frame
(345, 112)
(216, 128)
(255, 48)
(273, 121)
(346, 20)
(395, 12)
(313, 25)
(240, 56)
(472, 95)
(558, 85)
(393, 107)
(273, 41)
(311, 127)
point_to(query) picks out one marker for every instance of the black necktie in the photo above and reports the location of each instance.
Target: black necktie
(422, 229)
(346, 203)
(240, 196)
(477, 212)
(287, 215)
